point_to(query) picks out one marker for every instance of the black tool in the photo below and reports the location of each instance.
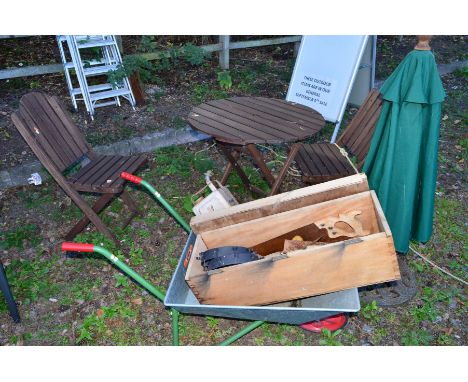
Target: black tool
(216, 258)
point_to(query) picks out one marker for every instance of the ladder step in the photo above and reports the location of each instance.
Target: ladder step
(93, 88)
(102, 104)
(94, 43)
(71, 65)
(97, 70)
(109, 94)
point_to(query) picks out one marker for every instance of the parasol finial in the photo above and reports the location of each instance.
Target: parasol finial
(423, 43)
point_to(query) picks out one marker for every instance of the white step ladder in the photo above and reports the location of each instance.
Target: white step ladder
(97, 95)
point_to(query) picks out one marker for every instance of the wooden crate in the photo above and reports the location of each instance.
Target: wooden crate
(345, 264)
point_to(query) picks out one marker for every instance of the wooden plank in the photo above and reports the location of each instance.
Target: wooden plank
(195, 267)
(313, 151)
(248, 128)
(293, 107)
(72, 128)
(363, 144)
(29, 106)
(256, 231)
(288, 115)
(225, 128)
(106, 171)
(264, 42)
(43, 120)
(306, 165)
(357, 120)
(133, 163)
(313, 271)
(88, 171)
(247, 116)
(365, 128)
(26, 71)
(371, 105)
(326, 160)
(382, 220)
(280, 203)
(339, 160)
(214, 131)
(45, 146)
(299, 125)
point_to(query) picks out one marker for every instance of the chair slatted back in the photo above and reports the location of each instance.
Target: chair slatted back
(49, 130)
(358, 135)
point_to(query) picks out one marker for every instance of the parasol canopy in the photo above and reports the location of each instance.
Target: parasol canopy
(401, 165)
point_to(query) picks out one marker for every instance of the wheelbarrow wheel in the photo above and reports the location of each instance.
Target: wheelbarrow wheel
(332, 323)
(395, 292)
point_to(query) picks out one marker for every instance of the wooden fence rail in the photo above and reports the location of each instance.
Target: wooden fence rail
(223, 47)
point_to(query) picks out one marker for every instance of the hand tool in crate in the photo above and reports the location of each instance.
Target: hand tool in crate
(219, 198)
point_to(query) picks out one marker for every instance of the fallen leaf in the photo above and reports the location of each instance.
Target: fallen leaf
(137, 301)
(99, 313)
(456, 122)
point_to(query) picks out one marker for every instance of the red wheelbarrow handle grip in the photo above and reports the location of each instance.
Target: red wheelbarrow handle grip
(130, 177)
(77, 247)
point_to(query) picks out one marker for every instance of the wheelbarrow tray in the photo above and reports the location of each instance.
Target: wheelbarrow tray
(180, 297)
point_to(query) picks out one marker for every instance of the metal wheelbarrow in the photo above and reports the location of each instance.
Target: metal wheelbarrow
(180, 299)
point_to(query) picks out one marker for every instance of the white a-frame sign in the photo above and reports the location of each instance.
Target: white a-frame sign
(325, 70)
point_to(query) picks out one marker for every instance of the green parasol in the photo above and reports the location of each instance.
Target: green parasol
(401, 165)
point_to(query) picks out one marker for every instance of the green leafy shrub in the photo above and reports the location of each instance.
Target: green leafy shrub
(225, 80)
(194, 55)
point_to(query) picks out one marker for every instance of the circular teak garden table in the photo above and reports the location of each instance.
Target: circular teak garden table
(239, 123)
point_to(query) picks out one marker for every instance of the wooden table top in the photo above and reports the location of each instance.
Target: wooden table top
(245, 120)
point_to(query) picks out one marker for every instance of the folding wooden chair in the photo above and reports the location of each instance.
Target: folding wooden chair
(59, 144)
(321, 162)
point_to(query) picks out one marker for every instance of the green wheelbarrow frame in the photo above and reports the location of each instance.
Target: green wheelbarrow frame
(155, 291)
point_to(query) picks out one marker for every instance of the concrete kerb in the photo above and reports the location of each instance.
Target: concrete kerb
(18, 176)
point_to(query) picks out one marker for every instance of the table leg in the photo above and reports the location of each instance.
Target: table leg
(292, 154)
(227, 171)
(233, 161)
(258, 159)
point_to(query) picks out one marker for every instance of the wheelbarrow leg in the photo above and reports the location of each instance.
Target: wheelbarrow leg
(8, 295)
(175, 327)
(241, 333)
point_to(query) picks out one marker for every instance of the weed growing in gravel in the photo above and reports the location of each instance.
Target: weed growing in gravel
(416, 338)
(379, 335)
(202, 92)
(96, 323)
(19, 236)
(329, 338)
(371, 312)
